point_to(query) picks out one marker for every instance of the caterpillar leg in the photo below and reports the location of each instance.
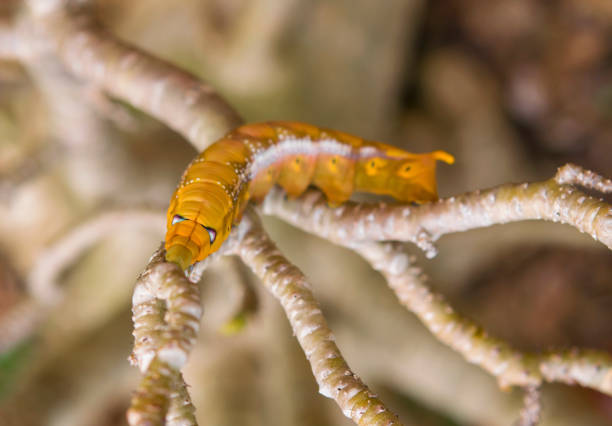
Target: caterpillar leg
(335, 197)
(334, 175)
(296, 174)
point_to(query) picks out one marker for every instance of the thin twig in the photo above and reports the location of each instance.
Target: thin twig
(287, 283)
(511, 367)
(575, 175)
(173, 96)
(508, 365)
(166, 313)
(181, 411)
(530, 413)
(545, 200)
(586, 367)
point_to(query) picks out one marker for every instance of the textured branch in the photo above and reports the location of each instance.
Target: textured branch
(166, 313)
(426, 223)
(181, 411)
(175, 97)
(588, 368)
(511, 367)
(508, 365)
(287, 283)
(530, 414)
(161, 399)
(151, 400)
(576, 175)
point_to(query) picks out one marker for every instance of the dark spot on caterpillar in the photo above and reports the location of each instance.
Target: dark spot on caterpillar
(373, 163)
(407, 168)
(334, 160)
(297, 161)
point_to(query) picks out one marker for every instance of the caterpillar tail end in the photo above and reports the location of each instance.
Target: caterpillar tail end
(443, 156)
(180, 255)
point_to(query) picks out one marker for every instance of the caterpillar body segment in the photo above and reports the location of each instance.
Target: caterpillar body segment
(248, 161)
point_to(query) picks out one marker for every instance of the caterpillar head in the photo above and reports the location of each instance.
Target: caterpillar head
(188, 241)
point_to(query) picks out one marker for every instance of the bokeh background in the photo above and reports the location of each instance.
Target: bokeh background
(513, 88)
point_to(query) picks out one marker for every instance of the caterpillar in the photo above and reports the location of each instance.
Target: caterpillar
(248, 161)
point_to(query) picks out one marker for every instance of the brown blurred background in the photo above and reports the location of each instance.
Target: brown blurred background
(513, 88)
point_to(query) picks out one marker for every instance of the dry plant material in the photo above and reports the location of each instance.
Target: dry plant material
(354, 224)
(287, 283)
(176, 97)
(166, 314)
(530, 414)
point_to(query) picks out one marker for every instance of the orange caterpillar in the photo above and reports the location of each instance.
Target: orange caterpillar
(248, 161)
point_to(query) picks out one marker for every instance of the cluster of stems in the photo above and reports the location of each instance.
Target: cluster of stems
(167, 306)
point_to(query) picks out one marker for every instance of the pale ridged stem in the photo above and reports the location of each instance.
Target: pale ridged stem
(177, 98)
(352, 222)
(545, 200)
(508, 365)
(287, 283)
(511, 367)
(575, 175)
(151, 400)
(181, 411)
(586, 367)
(166, 314)
(530, 413)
